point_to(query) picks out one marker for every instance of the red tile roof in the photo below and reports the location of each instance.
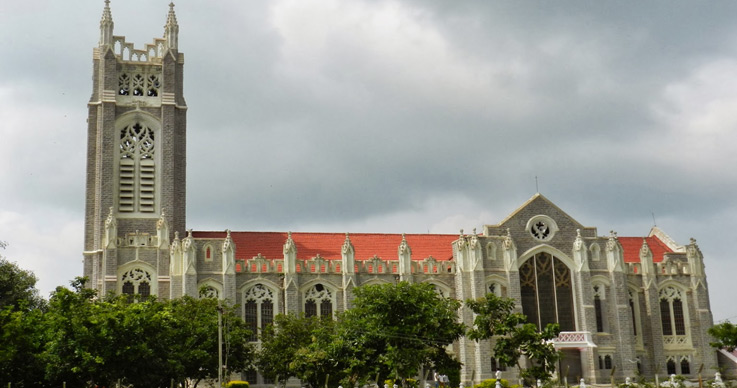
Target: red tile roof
(632, 245)
(328, 245)
(366, 245)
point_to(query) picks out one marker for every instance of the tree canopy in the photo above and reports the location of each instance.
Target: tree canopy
(514, 337)
(17, 286)
(402, 327)
(725, 335)
(391, 331)
(84, 340)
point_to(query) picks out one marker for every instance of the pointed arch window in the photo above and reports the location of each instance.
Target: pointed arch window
(605, 361)
(670, 366)
(599, 298)
(136, 281)
(208, 252)
(672, 312)
(547, 295)
(137, 169)
(497, 289)
(318, 301)
(258, 308)
(634, 303)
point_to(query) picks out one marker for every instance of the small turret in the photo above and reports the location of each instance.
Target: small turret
(171, 29)
(106, 26)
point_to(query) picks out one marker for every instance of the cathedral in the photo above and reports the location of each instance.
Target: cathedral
(628, 305)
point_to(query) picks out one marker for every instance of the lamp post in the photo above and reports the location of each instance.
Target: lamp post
(220, 345)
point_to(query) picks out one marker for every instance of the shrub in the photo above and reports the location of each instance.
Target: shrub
(237, 384)
(491, 383)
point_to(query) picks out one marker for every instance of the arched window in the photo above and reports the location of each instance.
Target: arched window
(670, 366)
(547, 295)
(258, 308)
(671, 311)
(595, 252)
(209, 291)
(318, 301)
(136, 282)
(136, 173)
(496, 289)
(442, 291)
(491, 250)
(685, 366)
(634, 303)
(605, 361)
(599, 297)
(208, 252)
(496, 365)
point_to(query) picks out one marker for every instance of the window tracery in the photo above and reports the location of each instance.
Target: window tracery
(318, 301)
(496, 289)
(136, 282)
(134, 82)
(209, 291)
(547, 295)
(136, 169)
(542, 227)
(672, 312)
(258, 308)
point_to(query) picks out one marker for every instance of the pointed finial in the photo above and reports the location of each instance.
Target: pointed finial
(106, 25)
(171, 29)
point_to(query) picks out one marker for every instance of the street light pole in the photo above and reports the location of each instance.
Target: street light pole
(220, 345)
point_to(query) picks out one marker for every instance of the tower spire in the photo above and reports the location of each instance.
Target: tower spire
(171, 29)
(106, 25)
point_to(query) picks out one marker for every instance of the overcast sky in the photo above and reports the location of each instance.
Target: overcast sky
(394, 116)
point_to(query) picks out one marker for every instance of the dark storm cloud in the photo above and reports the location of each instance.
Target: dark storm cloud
(399, 115)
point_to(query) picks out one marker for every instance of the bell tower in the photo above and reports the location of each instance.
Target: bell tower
(136, 161)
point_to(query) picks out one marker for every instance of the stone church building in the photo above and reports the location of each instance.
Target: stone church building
(637, 303)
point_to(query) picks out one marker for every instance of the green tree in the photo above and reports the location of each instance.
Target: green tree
(71, 352)
(22, 339)
(514, 337)
(21, 326)
(281, 341)
(143, 342)
(194, 341)
(395, 329)
(725, 335)
(17, 286)
(322, 360)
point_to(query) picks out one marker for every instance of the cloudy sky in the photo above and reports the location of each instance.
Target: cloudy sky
(394, 116)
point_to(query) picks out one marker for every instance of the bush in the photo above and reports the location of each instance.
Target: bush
(237, 384)
(491, 383)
